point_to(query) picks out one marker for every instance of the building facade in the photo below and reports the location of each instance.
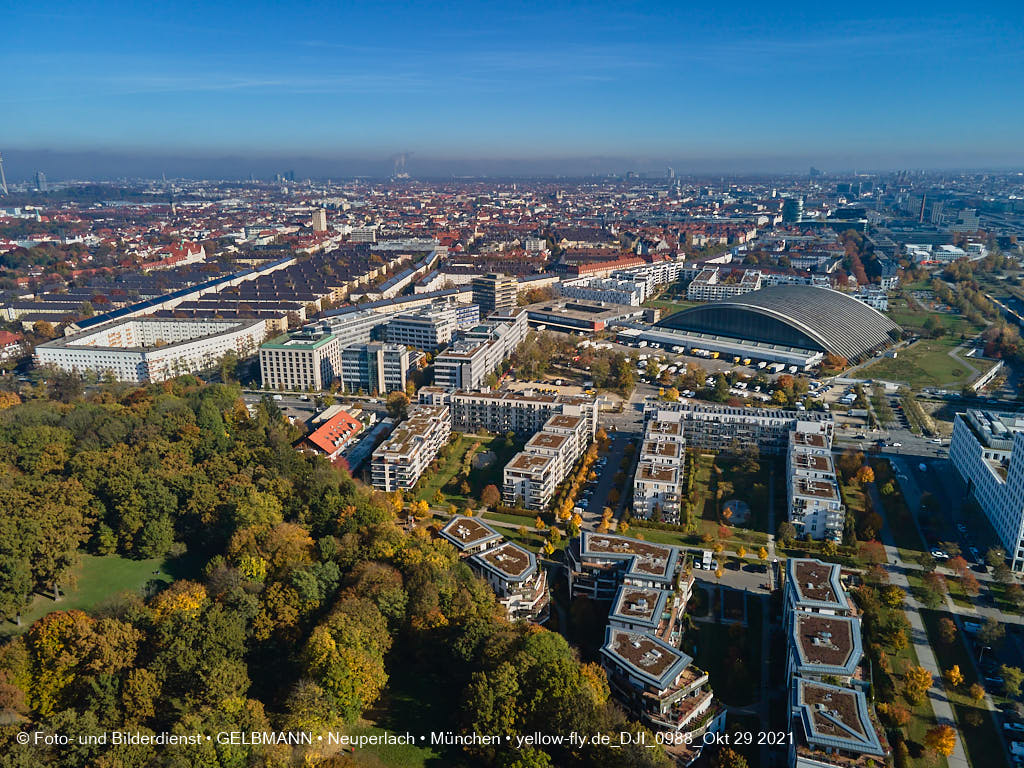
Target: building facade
(988, 451)
(399, 462)
(815, 506)
(144, 349)
(495, 292)
(303, 361)
(376, 368)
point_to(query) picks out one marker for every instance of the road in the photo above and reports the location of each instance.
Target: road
(919, 637)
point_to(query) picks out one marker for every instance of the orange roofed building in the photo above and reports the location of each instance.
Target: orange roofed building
(334, 435)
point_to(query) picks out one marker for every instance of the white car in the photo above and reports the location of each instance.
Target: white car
(938, 554)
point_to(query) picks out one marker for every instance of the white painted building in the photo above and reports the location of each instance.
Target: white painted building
(988, 451)
(143, 349)
(400, 460)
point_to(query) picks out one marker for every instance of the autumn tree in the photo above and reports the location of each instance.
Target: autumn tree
(917, 681)
(954, 676)
(941, 739)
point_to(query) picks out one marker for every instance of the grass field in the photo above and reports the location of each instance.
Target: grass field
(670, 306)
(928, 363)
(97, 579)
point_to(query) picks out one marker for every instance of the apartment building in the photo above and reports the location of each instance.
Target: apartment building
(519, 584)
(522, 412)
(657, 682)
(302, 361)
(399, 461)
(376, 368)
(651, 276)
(647, 672)
(988, 451)
(709, 427)
(145, 349)
(815, 506)
(600, 562)
(829, 713)
(709, 285)
(658, 485)
(531, 477)
(605, 290)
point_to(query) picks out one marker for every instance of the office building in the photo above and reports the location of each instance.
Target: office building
(519, 584)
(495, 292)
(355, 327)
(319, 220)
(376, 368)
(988, 451)
(307, 360)
(468, 362)
(793, 210)
(145, 349)
(400, 461)
(429, 328)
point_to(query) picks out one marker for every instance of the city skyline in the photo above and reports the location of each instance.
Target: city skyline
(552, 89)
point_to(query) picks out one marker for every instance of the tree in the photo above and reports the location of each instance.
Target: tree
(970, 584)
(539, 524)
(977, 692)
(865, 475)
(954, 676)
(490, 495)
(728, 758)
(918, 681)
(941, 739)
(786, 533)
(398, 405)
(892, 596)
(947, 631)
(762, 554)
(991, 633)
(1013, 677)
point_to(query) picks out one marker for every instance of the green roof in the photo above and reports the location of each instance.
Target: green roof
(284, 341)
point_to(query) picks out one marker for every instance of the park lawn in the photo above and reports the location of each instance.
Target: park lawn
(449, 468)
(983, 743)
(461, 451)
(670, 306)
(999, 596)
(927, 363)
(96, 579)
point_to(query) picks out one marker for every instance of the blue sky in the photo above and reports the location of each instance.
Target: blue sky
(516, 80)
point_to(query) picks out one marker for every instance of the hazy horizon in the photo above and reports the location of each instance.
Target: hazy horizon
(20, 165)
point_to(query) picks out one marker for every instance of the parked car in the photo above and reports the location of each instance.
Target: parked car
(938, 554)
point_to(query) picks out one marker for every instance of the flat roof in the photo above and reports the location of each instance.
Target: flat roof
(465, 532)
(547, 440)
(827, 644)
(639, 605)
(816, 584)
(646, 656)
(837, 717)
(529, 462)
(508, 560)
(646, 559)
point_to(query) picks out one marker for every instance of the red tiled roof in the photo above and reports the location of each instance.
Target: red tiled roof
(334, 433)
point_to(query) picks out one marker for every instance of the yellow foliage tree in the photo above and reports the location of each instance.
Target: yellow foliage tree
(941, 739)
(918, 680)
(954, 676)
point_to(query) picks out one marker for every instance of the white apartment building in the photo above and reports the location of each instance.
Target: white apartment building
(399, 461)
(522, 412)
(606, 290)
(988, 451)
(651, 275)
(144, 349)
(708, 285)
(709, 427)
(815, 506)
(533, 474)
(519, 584)
(658, 484)
(303, 361)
